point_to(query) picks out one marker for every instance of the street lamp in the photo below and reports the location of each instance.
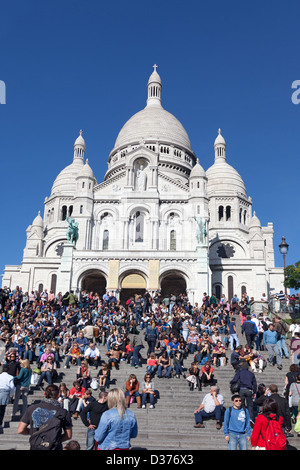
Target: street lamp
(283, 248)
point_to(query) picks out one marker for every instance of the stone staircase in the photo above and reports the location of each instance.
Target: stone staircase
(170, 425)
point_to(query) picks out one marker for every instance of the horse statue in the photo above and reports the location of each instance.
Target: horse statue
(72, 231)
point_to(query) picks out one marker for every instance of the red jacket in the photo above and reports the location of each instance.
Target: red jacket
(259, 430)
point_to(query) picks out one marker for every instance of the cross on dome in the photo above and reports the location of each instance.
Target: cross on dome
(155, 67)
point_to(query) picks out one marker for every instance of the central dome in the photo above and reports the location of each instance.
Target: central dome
(153, 123)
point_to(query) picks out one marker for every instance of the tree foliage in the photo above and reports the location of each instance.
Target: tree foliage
(292, 276)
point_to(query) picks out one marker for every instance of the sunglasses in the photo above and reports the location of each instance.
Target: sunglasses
(237, 400)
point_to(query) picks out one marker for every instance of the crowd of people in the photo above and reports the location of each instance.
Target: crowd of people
(42, 333)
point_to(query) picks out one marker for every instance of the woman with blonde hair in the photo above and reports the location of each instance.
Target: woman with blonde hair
(22, 384)
(118, 425)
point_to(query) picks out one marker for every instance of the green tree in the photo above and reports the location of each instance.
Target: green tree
(292, 276)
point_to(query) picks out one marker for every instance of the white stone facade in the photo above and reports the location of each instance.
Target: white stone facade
(138, 228)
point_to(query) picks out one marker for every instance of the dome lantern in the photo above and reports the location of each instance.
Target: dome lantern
(220, 146)
(79, 146)
(154, 89)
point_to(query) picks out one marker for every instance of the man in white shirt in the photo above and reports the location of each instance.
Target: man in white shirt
(92, 355)
(7, 389)
(211, 406)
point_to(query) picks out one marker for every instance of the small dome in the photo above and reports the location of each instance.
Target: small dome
(219, 139)
(224, 179)
(87, 171)
(197, 171)
(254, 222)
(65, 182)
(38, 221)
(154, 77)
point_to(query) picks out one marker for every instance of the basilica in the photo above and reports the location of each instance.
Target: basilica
(157, 221)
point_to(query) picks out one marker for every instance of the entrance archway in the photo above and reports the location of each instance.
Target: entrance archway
(173, 283)
(94, 281)
(132, 285)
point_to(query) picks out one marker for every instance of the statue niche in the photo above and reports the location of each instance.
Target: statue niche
(140, 176)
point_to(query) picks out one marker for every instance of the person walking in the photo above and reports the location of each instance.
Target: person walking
(22, 384)
(270, 342)
(7, 389)
(248, 388)
(237, 429)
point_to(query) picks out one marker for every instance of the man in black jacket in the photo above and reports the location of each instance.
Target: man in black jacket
(250, 330)
(283, 409)
(248, 387)
(94, 409)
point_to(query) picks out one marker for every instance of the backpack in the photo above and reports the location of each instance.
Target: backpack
(275, 438)
(47, 436)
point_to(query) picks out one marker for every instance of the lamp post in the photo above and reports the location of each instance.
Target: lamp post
(283, 248)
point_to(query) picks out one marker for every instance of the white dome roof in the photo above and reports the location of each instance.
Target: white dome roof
(224, 179)
(153, 123)
(87, 171)
(38, 221)
(197, 171)
(65, 182)
(254, 222)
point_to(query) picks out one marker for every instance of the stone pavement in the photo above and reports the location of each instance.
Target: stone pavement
(170, 425)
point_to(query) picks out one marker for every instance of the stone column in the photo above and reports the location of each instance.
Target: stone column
(64, 273)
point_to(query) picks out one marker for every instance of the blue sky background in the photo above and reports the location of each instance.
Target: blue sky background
(71, 65)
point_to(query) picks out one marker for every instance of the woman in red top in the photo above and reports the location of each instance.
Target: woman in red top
(132, 390)
(76, 398)
(207, 376)
(269, 410)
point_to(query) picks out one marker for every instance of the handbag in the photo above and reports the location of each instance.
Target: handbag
(235, 387)
(297, 426)
(34, 378)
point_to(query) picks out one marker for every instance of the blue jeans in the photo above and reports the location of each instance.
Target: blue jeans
(282, 346)
(90, 440)
(231, 338)
(46, 374)
(178, 369)
(151, 397)
(237, 440)
(136, 356)
(168, 374)
(217, 413)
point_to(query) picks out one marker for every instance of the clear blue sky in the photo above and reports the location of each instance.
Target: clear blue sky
(71, 65)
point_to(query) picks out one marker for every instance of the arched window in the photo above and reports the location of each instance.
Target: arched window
(64, 212)
(230, 287)
(105, 242)
(245, 217)
(139, 227)
(243, 290)
(241, 212)
(40, 288)
(70, 210)
(228, 213)
(173, 240)
(218, 291)
(53, 283)
(81, 209)
(221, 213)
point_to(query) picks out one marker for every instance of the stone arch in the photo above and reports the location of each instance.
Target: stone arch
(173, 281)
